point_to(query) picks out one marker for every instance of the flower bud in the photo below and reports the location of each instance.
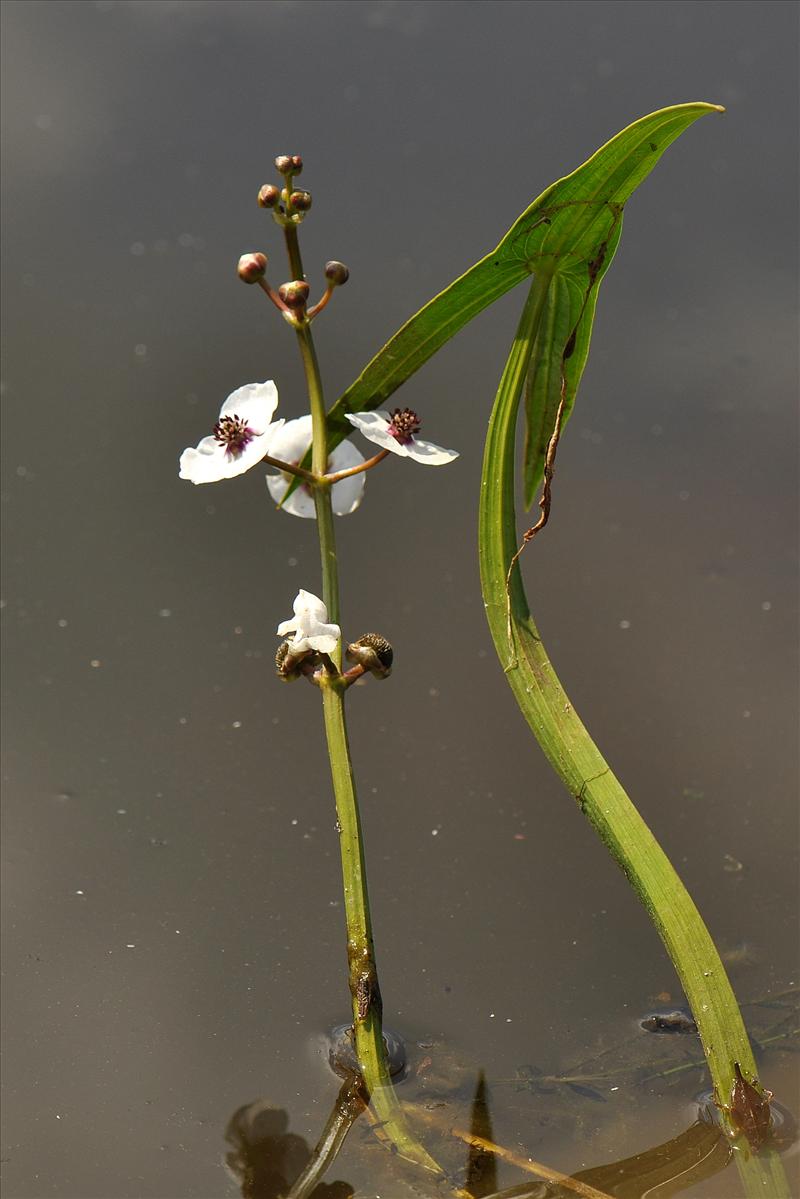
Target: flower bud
(297, 164)
(374, 653)
(286, 665)
(284, 164)
(336, 273)
(294, 294)
(268, 196)
(252, 267)
(300, 201)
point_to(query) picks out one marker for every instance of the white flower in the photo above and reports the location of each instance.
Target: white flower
(290, 445)
(397, 431)
(310, 626)
(241, 437)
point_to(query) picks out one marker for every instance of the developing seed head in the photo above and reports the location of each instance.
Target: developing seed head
(252, 267)
(287, 666)
(336, 273)
(374, 653)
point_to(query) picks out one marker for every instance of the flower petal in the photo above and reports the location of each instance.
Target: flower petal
(254, 402)
(308, 606)
(429, 454)
(211, 461)
(290, 444)
(348, 493)
(310, 625)
(325, 642)
(374, 426)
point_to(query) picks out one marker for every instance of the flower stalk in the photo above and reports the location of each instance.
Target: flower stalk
(363, 975)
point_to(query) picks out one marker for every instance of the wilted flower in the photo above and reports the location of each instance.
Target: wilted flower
(290, 444)
(240, 439)
(310, 626)
(397, 431)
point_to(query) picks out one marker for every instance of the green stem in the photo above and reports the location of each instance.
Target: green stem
(364, 988)
(573, 754)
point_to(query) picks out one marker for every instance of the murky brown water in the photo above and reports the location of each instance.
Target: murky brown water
(173, 941)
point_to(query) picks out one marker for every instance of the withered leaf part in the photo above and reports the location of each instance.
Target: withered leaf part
(749, 1110)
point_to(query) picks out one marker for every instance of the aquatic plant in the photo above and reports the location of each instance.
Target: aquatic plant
(564, 244)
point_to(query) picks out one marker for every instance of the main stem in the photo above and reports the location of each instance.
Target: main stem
(365, 993)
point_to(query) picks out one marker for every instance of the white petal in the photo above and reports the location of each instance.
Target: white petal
(325, 642)
(348, 494)
(286, 626)
(290, 444)
(293, 440)
(299, 503)
(254, 403)
(210, 461)
(428, 453)
(374, 426)
(310, 606)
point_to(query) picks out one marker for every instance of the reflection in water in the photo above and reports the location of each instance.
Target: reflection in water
(481, 1163)
(269, 1162)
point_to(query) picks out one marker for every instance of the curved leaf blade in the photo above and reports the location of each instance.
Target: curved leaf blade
(561, 230)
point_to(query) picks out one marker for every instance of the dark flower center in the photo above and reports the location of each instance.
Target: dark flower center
(234, 433)
(403, 425)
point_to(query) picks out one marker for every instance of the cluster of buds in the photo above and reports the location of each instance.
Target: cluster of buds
(288, 206)
(287, 203)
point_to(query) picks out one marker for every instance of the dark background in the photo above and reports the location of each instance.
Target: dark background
(173, 927)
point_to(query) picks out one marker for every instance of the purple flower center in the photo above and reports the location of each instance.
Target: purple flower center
(234, 433)
(403, 425)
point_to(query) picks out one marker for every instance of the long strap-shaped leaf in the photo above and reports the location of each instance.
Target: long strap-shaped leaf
(560, 231)
(556, 232)
(546, 343)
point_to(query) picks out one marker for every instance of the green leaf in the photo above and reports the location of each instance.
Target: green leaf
(548, 354)
(562, 231)
(571, 230)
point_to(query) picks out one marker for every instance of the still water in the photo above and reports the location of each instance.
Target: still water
(173, 930)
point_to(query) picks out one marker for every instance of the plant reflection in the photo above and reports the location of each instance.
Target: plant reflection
(269, 1162)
